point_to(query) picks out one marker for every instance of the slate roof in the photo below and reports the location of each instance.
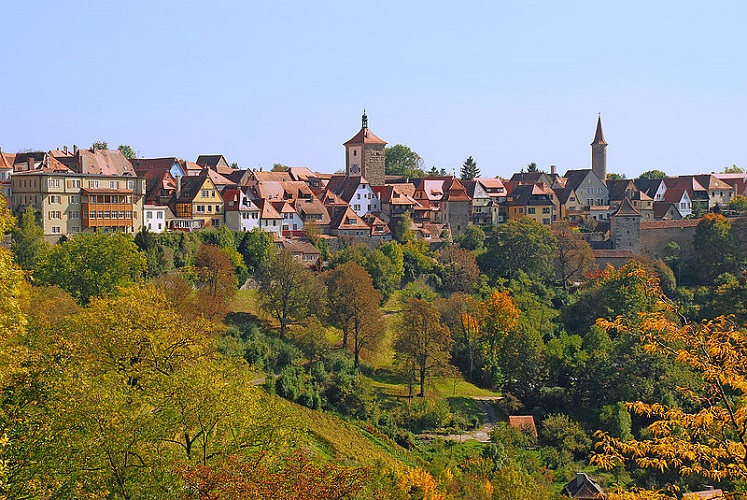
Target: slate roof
(191, 185)
(626, 208)
(598, 134)
(583, 487)
(213, 162)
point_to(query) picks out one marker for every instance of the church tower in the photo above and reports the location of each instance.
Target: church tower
(599, 152)
(364, 155)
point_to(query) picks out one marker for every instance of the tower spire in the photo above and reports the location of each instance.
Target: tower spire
(599, 135)
(364, 119)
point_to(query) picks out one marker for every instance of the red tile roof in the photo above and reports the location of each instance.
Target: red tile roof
(364, 136)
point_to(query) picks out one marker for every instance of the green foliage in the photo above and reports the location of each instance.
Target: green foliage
(257, 247)
(403, 232)
(653, 174)
(611, 176)
(126, 151)
(472, 238)
(469, 169)
(100, 145)
(607, 294)
(401, 160)
(27, 241)
(734, 169)
(519, 245)
(385, 264)
(738, 204)
(418, 261)
(93, 265)
(566, 435)
(616, 421)
(716, 248)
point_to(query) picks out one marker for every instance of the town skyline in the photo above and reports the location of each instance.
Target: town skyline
(287, 83)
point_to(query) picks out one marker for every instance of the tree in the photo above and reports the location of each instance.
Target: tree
(216, 284)
(532, 167)
(653, 174)
(403, 230)
(611, 176)
(435, 172)
(12, 319)
(27, 241)
(296, 477)
(460, 313)
(469, 169)
(93, 264)
(706, 435)
(279, 167)
(573, 255)
(126, 151)
(497, 316)
(473, 238)
(459, 271)
(354, 308)
(311, 338)
(100, 145)
(715, 247)
(733, 170)
(286, 289)
(401, 160)
(738, 203)
(257, 247)
(422, 343)
(521, 244)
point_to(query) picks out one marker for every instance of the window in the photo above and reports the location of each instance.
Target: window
(75, 199)
(93, 184)
(546, 222)
(55, 229)
(148, 214)
(159, 215)
(101, 214)
(359, 196)
(546, 210)
(254, 215)
(128, 215)
(55, 214)
(204, 193)
(113, 184)
(76, 229)
(130, 184)
(107, 215)
(531, 210)
(160, 226)
(74, 214)
(356, 207)
(210, 208)
(55, 199)
(201, 208)
(212, 194)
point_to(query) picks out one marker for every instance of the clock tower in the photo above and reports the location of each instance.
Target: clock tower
(364, 155)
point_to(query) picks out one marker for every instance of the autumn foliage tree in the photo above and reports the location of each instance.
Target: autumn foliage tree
(216, 283)
(706, 436)
(423, 343)
(354, 308)
(573, 256)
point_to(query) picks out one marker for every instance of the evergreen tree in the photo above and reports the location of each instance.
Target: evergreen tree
(469, 169)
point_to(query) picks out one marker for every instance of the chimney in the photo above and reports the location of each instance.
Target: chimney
(30, 161)
(83, 164)
(75, 149)
(553, 169)
(64, 148)
(178, 187)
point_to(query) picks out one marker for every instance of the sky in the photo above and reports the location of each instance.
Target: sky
(275, 81)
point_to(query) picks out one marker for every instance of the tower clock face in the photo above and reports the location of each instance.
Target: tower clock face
(355, 169)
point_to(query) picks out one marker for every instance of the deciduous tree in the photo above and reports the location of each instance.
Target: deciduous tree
(354, 308)
(93, 264)
(653, 174)
(707, 436)
(401, 160)
(459, 271)
(573, 255)
(287, 289)
(422, 341)
(522, 244)
(27, 241)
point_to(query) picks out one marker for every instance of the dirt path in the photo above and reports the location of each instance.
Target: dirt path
(482, 434)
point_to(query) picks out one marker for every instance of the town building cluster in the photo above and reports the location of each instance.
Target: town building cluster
(84, 189)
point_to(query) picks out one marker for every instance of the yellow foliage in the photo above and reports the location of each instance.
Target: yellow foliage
(417, 483)
(710, 440)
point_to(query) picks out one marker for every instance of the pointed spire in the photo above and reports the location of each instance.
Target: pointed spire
(599, 135)
(364, 119)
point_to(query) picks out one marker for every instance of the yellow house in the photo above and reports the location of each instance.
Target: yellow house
(198, 198)
(534, 201)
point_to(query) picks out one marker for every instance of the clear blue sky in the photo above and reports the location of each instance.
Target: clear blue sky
(286, 81)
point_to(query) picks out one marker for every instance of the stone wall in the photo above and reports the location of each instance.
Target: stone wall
(655, 236)
(374, 164)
